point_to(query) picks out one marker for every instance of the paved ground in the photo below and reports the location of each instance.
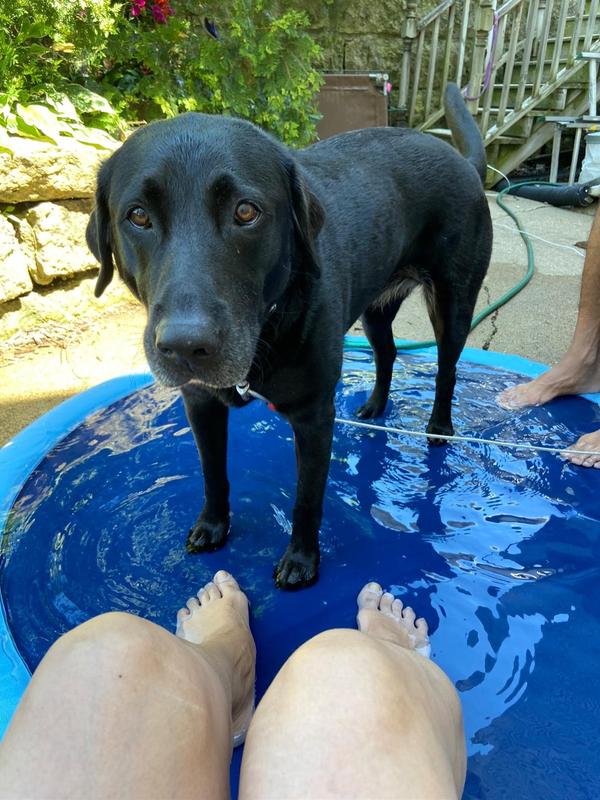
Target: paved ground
(536, 324)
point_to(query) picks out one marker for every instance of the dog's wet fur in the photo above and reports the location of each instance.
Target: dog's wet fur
(253, 260)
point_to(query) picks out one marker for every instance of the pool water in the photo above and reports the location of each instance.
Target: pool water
(498, 549)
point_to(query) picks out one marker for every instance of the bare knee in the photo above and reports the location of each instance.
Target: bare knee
(380, 678)
(340, 650)
(342, 661)
(115, 643)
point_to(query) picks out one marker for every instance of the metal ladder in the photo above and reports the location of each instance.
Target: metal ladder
(584, 122)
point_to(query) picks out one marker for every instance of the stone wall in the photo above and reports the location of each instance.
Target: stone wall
(361, 35)
(46, 194)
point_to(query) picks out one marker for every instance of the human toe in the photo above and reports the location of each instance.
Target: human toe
(209, 593)
(193, 604)
(386, 602)
(369, 596)
(422, 628)
(409, 616)
(397, 607)
(226, 582)
(512, 398)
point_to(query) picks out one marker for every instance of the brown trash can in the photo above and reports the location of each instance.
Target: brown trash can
(348, 102)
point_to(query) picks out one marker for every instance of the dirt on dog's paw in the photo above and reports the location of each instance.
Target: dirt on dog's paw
(296, 570)
(207, 535)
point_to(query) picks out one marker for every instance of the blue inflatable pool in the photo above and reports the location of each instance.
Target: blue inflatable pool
(499, 549)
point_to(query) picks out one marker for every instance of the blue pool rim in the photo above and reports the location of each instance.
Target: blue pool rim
(20, 456)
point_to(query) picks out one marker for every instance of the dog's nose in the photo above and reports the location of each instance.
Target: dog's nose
(191, 343)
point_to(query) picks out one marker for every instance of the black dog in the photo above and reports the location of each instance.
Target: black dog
(253, 261)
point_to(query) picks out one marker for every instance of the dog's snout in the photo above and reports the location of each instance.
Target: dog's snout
(190, 343)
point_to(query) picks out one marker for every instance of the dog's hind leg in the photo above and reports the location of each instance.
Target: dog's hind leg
(451, 311)
(377, 324)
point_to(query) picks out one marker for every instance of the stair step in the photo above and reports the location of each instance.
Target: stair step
(443, 133)
(446, 133)
(570, 84)
(506, 139)
(534, 63)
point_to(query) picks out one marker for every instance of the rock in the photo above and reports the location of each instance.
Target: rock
(14, 272)
(53, 235)
(37, 170)
(66, 305)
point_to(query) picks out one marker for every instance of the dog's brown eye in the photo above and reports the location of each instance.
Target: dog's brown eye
(246, 213)
(138, 217)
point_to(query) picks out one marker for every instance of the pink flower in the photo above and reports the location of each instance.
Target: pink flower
(137, 7)
(158, 14)
(161, 11)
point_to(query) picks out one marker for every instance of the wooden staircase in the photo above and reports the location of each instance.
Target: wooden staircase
(518, 64)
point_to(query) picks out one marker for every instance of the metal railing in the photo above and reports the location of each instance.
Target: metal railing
(508, 59)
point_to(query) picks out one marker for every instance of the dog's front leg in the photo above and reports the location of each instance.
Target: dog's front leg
(208, 418)
(313, 433)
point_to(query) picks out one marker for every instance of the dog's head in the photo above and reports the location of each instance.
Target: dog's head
(208, 221)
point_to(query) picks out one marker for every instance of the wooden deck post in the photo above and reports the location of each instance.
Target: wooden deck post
(409, 33)
(484, 21)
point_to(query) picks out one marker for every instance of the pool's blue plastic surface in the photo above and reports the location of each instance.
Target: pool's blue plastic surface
(499, 550)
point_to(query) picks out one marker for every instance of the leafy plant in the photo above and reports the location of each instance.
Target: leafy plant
(45, 45)
(240, 58)
(261, 69)
(48, 122)
(68, 65)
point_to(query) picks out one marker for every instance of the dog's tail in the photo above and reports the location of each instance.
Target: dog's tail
(465, 133)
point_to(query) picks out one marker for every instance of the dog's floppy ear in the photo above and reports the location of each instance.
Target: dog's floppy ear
(308, 218)
(97, 233)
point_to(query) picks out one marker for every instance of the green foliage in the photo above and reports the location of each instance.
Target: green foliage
(147, 67)
(261, 70)
(46, 46)
(44, 43)
(68, 64)
(48, 122)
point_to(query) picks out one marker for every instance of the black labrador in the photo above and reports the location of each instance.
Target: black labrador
(253, 261)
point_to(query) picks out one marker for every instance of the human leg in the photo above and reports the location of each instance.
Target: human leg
(579, 369)
(358, 714)
(119, 707)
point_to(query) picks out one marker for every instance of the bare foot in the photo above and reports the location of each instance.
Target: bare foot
(383, 617)
(217, 620)
(591, 441)
(569, 376)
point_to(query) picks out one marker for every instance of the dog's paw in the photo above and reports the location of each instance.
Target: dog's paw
(372, 408)
(439, 430)
(207, 535)
(296, 570)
